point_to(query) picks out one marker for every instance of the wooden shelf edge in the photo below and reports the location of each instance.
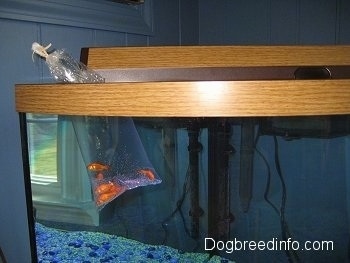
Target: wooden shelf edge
(188, 99)
(215, 56)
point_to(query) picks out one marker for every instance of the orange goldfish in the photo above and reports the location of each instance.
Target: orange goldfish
(97, 167)
(105, 188)
(107, 191)
(147, 172)
(104, 198)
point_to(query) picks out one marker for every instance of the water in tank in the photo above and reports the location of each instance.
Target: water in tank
(117, 189)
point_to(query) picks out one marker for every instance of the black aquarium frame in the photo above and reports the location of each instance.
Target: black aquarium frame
(28, 185)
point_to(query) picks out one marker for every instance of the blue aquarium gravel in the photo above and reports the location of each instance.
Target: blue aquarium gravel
(87, 247)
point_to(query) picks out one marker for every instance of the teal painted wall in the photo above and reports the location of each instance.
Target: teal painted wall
(271, 22)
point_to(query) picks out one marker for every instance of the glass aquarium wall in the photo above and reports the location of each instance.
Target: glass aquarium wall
(239, 189)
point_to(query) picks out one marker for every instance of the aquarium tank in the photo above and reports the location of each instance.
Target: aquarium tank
(221, 163)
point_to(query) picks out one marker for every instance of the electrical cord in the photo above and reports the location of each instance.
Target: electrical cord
(268, 180)
(291, 255)
(178, 209)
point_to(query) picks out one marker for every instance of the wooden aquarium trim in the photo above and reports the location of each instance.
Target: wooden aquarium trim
(188, 99)
(214, 56)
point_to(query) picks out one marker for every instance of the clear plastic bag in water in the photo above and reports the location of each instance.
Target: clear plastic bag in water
(114, 154)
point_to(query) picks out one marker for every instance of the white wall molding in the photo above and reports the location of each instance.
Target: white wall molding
(98, 14)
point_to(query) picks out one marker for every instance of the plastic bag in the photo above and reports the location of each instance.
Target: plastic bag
(111, 147)
(65, 68)
(114, 154)
(112, 150)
